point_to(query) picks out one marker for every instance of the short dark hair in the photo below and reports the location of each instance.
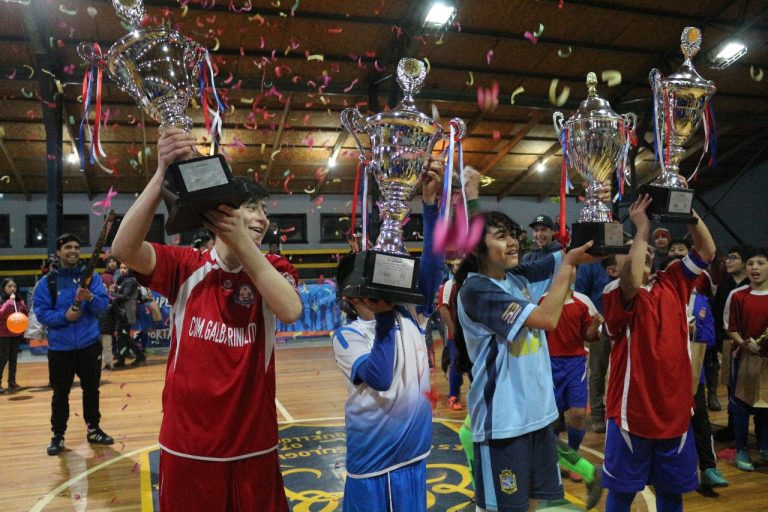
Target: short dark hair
(200, 238)
(111, 258)
(255, 190)
(681, 241)
(610, 261)
(757, 251)
(65, 238)
(742, 250)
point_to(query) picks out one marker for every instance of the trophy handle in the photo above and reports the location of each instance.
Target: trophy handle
(354, 122)
(559, 121)
(89, 54)
(459, 126)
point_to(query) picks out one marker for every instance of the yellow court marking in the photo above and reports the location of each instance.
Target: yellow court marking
(45, 500)
(145, 479)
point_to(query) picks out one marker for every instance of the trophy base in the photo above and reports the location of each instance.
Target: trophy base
(608, 237)
(380, 276)
(670, 205)
(195, 186)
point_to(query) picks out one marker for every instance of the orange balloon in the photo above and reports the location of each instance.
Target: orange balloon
(17, 323)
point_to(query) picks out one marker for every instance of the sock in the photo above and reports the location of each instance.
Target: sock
(465, 435)
(620, 501)
(669, 502)
(572, 461)
(575, 437)
(740, 429)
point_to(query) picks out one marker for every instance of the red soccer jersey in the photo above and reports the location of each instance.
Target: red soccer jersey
(649, 392)
(446, 295)
(568, 338)
(747, 312)
(219, 395)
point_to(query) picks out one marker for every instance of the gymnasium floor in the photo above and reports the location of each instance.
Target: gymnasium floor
(310, 401)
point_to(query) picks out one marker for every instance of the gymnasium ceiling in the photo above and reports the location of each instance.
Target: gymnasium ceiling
(272, 57)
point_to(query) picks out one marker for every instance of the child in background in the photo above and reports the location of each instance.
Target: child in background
(747, 309)
(9, 341)
(579, 322)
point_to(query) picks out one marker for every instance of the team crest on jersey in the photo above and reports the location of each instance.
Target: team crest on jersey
(227, 284)
(244, 296)
(508, 482)
(511, 313)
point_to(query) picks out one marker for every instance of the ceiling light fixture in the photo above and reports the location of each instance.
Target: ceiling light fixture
(540, 166)
(439, 18)
(73, 158)
(726, 53)
(331, 162)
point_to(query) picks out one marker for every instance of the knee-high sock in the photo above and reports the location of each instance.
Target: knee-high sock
(740, 429)
(465, 435)
(619, 501)
(669, 502)
(572, 461)
(575, 437)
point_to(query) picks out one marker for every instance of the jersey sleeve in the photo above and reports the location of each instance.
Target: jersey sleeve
(586, 312)
(351, 347)
(732, 315)
(285, 267)
(616, 316)
(173, 265)
(683, 274)
(487, 304)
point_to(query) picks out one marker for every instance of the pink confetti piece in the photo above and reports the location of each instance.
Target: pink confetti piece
(335, 30)
(100, 208)
(351, 85)
(529, 36)
(378, 67)
(496, 135)
(489, 56)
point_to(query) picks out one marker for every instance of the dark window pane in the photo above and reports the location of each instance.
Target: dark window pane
(335, 227)
(37, 229)
(288, 228)
(5, 231)
(156, 231)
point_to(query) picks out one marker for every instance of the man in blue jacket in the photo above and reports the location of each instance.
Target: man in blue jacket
(74, 348)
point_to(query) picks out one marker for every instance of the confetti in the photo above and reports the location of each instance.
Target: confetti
(335, 30)
(471, 79)
(31, 71)
(560, 100)
(516, 92)
(316, 56)
(611, 77)
(68, 12)
(92, 12)
(564, 55)
(429, 66)
(756, 76)
(351, 85)
(496, 135)
(486, 180)
(489, 56)
(216, 46)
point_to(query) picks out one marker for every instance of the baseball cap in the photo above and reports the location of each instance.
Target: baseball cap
(544, 221)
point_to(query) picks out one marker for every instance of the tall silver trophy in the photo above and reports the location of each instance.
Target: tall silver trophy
(159, 68)
(679, 101)
(401, 143)
(597, 141)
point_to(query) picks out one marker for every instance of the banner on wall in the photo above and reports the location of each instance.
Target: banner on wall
(321, 316)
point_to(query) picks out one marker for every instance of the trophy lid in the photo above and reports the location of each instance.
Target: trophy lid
(594, 106)
(410, 77)
(130, 11)
(690, 44)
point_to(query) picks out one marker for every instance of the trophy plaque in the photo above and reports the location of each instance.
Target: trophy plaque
(596, 141)
(159, 69)
(679, 101)
(401, 143)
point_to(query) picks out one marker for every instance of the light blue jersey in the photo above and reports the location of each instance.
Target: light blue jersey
(511, 392)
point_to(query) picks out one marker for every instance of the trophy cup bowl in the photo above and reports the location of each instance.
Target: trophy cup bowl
(596, 144)
(401, 143)
(159, 69)
(680, 100)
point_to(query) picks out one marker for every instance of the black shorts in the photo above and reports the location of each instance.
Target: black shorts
(107, 322)
(510, 472)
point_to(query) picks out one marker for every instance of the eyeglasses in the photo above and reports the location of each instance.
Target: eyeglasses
(732, 257)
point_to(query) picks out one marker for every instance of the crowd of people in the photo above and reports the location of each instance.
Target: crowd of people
(535, 330)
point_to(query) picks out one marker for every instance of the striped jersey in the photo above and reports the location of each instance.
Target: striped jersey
(219, 395)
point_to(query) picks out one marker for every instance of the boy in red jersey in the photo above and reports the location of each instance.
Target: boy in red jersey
(649, 402)
(219, 430)
(579, 322)
(747, 309)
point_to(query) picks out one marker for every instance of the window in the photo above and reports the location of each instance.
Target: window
(335, 227)
(37, 229)
(287, 228)
(156, 230)
(413, 231)
(5, 231)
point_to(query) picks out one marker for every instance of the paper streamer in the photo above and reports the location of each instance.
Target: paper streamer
(563, 54)
(756, 76)
(612, 77)
(99, 208)
(558, 100)
(516, 92)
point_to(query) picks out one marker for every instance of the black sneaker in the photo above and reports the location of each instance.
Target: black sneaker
(595, 489)
(97, 436)
(139, 361)
(56, 446)
(120, 363)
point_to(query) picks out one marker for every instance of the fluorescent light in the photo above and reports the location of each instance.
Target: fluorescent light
(540, 167)
(73, 158)
(331, 163)
(440, 14)
(726, 53)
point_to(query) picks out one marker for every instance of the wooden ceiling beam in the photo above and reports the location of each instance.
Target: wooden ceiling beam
(278, 136)
(529, 172)
(507, 146)
(14, 171)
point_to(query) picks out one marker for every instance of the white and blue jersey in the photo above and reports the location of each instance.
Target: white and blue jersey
(511, 392)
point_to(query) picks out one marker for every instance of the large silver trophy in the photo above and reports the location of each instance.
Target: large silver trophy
(679, 101)
(159, 68)
(401, 143)
(597, 142)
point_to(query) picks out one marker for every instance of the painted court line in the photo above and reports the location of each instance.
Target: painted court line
(284, 411)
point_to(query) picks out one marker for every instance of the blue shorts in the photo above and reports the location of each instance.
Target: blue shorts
(569, 375)
(510, 472)
(632, 462)
(401, 490)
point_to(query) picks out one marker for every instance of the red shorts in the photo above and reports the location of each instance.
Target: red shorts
(190, 485)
